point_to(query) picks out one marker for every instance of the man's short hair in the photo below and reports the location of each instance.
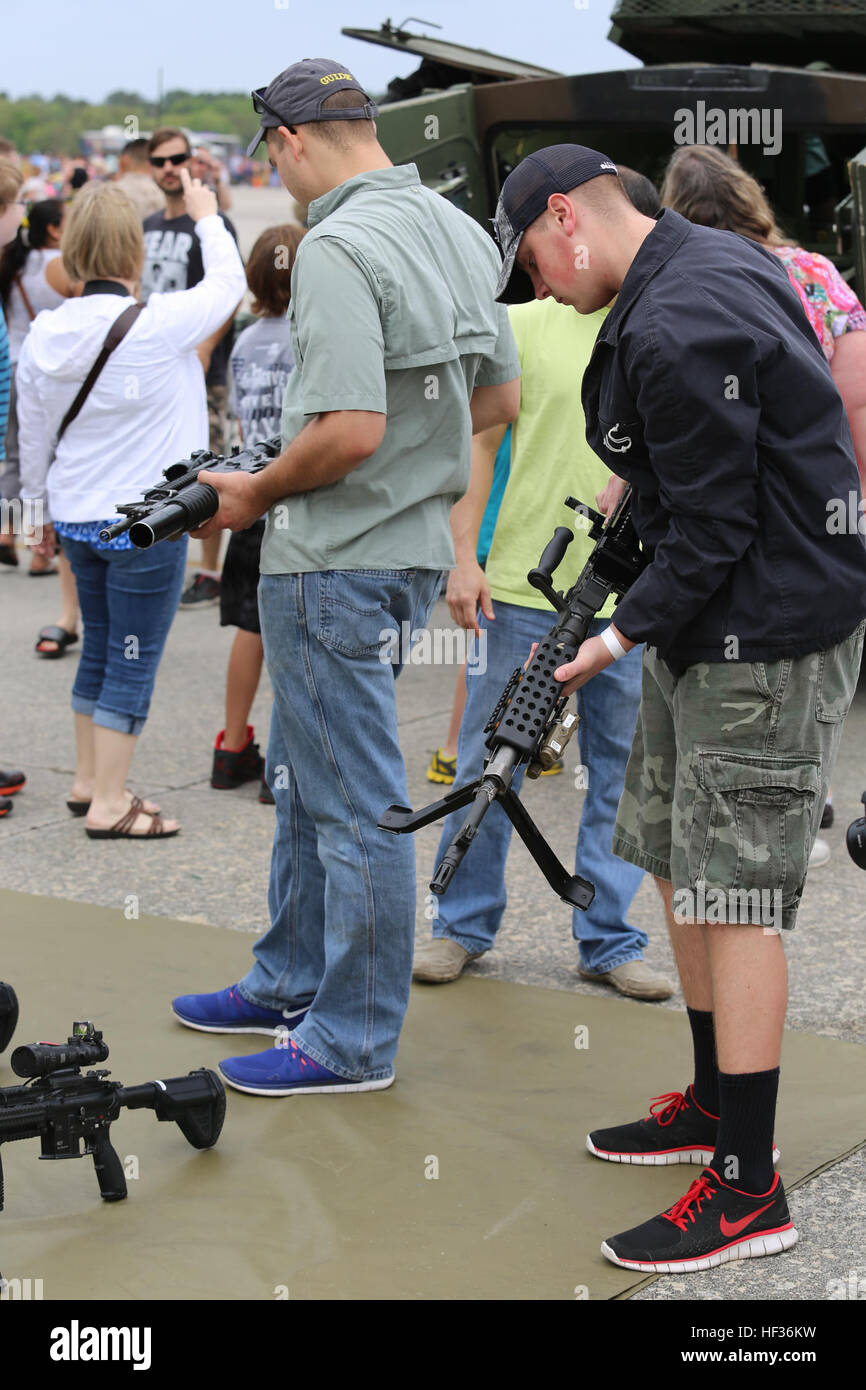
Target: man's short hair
(343, 135)
(137, 150)
(162, 137)
(11, 179)
(603, 195)
(7, 148)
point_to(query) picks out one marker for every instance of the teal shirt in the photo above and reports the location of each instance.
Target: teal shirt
(501, 470)
(392, 311)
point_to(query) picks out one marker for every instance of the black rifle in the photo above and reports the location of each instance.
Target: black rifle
(8, 1015)
(529, 723)
(182, 503)
(61, 1107)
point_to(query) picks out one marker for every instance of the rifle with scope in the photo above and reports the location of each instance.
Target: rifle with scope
(182, 503)
(62, 1108)
(529, 723)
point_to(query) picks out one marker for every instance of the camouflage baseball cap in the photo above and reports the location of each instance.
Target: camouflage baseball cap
(296, 95)
(524, 197)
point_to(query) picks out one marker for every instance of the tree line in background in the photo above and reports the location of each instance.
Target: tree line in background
(54, 125)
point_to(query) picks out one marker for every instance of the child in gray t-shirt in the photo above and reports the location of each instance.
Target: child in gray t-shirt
(261, 362)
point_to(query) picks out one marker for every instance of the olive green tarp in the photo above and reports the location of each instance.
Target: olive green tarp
(467, 1179)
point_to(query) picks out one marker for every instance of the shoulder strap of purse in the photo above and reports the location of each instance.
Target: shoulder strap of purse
(116, 333)
(25, 296)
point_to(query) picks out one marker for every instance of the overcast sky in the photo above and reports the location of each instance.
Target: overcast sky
(87, 48)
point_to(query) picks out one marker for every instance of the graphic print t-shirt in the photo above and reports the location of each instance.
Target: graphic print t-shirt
(262, 361)
(172, 261)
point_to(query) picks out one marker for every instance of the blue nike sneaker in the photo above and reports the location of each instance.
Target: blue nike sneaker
(287, 1071)
(228, 1012)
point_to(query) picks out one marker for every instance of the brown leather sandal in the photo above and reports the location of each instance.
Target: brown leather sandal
(122, 829)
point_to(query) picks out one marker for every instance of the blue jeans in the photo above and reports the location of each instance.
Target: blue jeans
(341, 893)
(471, 911)
(128, 599)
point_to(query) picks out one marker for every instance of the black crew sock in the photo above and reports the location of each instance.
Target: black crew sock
(706, 1083)
(747, 1118)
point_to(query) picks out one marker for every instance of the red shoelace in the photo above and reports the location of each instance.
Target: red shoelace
(668, 1106)
(682, 1211)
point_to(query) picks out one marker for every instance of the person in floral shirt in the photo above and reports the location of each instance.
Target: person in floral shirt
(707, 186)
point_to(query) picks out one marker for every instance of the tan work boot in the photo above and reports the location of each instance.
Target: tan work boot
(634, 978)
(440, 960)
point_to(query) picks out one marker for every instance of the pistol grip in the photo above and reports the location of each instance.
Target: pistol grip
(109, 1172)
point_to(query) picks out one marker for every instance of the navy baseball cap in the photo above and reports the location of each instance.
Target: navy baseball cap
(295, 97)
(524, 197)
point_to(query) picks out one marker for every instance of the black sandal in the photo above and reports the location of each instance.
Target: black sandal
(59, 635)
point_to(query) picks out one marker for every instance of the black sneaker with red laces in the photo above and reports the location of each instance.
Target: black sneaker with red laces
(233, 767)
(677, 1130)
(201, 592)
(712, 1224)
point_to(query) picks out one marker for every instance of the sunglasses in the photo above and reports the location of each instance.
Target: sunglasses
(263, 107)
(158, 160)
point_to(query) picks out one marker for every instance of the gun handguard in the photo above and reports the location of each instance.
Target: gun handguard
(182, 503)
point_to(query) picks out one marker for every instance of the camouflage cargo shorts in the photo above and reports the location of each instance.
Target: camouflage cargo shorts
(217, 422)
(728, 776)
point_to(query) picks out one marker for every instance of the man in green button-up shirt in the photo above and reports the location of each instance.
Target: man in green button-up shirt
(402, 354)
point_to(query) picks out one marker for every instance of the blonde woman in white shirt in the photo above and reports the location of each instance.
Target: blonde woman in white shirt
(147, 409)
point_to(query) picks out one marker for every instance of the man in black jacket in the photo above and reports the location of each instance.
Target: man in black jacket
(708, 392)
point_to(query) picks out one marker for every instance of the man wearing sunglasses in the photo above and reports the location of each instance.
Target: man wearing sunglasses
(173, 261)
(401, 356)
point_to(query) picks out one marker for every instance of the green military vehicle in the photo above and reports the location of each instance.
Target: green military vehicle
(759, 78)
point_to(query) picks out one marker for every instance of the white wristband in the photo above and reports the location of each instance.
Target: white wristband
(615, 648)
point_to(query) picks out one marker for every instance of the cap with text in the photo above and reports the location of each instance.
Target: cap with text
(295, 97)
(525, 193)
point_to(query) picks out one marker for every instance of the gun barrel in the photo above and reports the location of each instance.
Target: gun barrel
(192, 507)
(119, 528)
(454, 854)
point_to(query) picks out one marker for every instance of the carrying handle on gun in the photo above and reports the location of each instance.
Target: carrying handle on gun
(109, 1171)
(540, 577)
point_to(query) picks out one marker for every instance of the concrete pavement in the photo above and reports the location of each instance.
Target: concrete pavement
(216, 871)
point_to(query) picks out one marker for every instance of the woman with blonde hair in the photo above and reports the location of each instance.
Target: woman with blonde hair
(708, 187)
(145, 409)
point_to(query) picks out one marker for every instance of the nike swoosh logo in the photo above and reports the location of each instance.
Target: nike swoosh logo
(733, 1228)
